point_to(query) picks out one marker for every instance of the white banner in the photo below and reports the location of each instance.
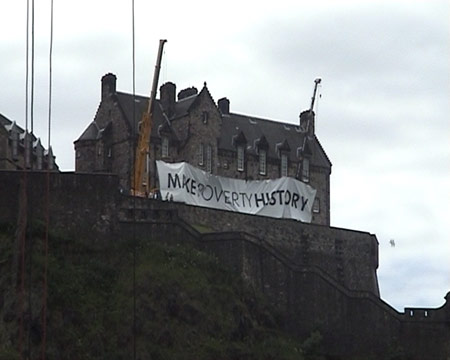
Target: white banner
(280, 198)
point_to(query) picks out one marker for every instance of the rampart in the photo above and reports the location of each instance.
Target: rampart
(322, 278)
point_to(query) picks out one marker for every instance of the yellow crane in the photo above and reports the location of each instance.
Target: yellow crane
(140, 180)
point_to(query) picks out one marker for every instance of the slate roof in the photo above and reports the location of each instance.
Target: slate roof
(8, 125)
(90, 133)
(36, 142)
(4, 121)
(126, 103)
(278, 135)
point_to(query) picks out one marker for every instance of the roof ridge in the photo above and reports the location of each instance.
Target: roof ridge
(263, 119)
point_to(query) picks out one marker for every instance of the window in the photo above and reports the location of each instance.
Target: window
(50, 161)
(147, 169)
(39, 154)
(284, 165)
(200, 156)
(27, 152)
(39, 161)
(15, 145)
(208, 158)
(316, 206)
(240, 158)
(147, 163)
(262, 161)
(109, 153)
(205, 117)
(165, 147)
(305, 170)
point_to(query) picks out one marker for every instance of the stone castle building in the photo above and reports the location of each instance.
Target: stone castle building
(193, 128)
(321, 278)
(21, 150)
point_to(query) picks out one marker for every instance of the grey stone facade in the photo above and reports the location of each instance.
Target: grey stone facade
(194, 129)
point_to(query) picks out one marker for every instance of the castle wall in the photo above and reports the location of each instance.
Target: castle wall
(349, 256)
(295, 265)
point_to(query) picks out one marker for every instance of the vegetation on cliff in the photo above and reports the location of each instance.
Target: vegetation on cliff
(106, 300)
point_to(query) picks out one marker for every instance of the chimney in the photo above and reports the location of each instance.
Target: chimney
(307, 121)
(108, 85)
(187, 92)
(167, 97)
(224, 106)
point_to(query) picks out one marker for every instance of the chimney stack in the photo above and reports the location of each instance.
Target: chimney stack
(108, 85)
(307, 121)
(187, 92)
(167, 97)
(224, 106)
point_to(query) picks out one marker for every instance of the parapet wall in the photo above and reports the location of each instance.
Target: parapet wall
(350, 257)
(321, 277)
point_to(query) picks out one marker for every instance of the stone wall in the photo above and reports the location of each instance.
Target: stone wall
(79, 204)
(349, 256)
(113, 151)
(321, 278)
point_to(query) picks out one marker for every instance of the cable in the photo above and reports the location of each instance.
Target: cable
(27, 161)
(22, 220)
(32, 67)
(26, 67)
(132, 169)
(47, 193)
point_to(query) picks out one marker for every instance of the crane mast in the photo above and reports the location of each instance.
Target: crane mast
(313, 99)
(140, 180)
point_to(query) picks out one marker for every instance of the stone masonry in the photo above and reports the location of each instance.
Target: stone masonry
(194, 129)
(321, 278)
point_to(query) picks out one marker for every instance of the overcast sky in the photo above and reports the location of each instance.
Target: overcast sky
(382, 118)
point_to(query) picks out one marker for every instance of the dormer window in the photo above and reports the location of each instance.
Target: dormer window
(165, 147)
(305, 170)
(262, 162)
(240, 142)
(200, 156)
(284, 165)
(240, 158)
(262, 145)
